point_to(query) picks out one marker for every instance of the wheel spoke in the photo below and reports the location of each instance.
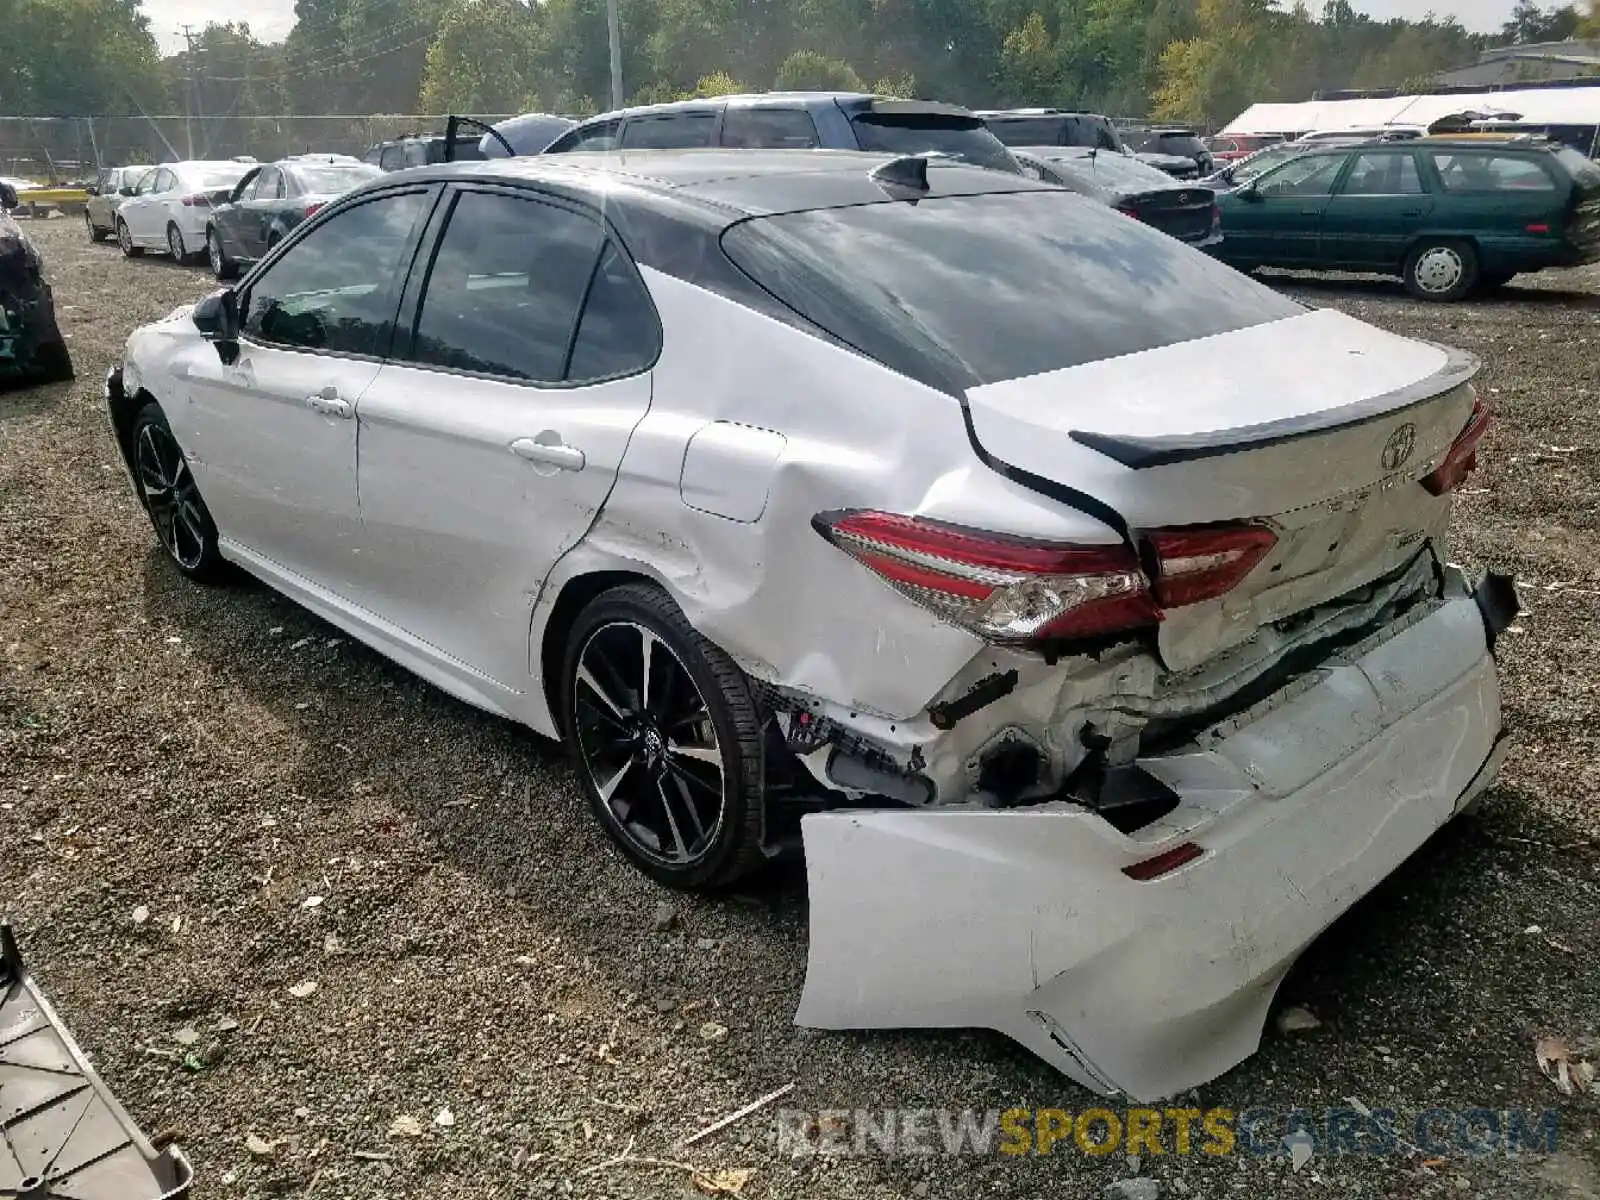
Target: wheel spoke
(672, 821)
(679, 771)
(689, 804)
(609, 788)
(707, 754)
(586, 677)
(647, 652)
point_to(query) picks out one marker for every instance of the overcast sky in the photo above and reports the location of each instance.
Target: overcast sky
(272, 19)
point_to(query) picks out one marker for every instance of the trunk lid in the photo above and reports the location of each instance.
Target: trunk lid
(1185, 215)
(1316, 425)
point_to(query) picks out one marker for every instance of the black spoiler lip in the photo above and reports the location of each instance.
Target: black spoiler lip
(1141, 453)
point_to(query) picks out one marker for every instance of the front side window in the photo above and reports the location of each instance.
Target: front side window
(1310, 175)
(680, 131)
(270, 184)
(503, 294)
(769, 128)
(247, 189)
(152, 182)
(393, 158)
(588, 137)
(1383, 175)
(335, 289)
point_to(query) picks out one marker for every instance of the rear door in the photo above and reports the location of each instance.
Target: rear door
(492, 440)
(1378, 208)
(256, 217)
(232, 219)
(1510, 204)
(1278, 221)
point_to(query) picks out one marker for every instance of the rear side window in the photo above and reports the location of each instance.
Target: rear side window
(504, 289)
(681, 131)
(959, 291)
(393, 158)
(617, 333)
(769, 128)
(1492, 173)
(1382, 175)
(587, 137)
(964, 138)
(416, 154)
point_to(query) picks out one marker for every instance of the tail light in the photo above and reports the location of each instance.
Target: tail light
(197, 200)
(1462, 457)
(1010, 589)
(314, 207)
(1216, 217)
(1129, 212)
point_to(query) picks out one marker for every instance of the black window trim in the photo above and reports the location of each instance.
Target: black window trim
(408, 261)
(578, 132)
(410, 309)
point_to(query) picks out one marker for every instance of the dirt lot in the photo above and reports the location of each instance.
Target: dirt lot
(219, 758)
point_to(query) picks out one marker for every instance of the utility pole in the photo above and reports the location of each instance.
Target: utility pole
(614, 33)
(191, 87)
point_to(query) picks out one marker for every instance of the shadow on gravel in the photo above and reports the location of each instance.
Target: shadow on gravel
(1432, 955)
(25, 401)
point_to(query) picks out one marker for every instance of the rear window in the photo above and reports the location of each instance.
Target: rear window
(1026, 131)
(960, 291)
(333, 178)
(1492, 173)
(1178, 143)
(965, 138)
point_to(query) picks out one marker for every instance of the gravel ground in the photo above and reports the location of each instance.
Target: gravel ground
(220, 757)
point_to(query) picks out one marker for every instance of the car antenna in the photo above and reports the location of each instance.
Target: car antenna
(909, 172)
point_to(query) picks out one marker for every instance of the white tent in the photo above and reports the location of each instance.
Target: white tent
(1568, 106)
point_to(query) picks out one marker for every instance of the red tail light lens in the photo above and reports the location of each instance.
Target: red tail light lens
(1009, 589)
(1129, 212)
(1192, 565)
(1004, 589)
(1163, 864)
(198, 200)
(313, 208)
(1462, 457)
(1216, 216)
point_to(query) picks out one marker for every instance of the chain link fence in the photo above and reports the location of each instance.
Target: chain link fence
(66, 149)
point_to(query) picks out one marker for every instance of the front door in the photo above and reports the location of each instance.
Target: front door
(1380, 205)
(256, 212)
(1277, 220)
(144, 212)
(272, 435)
(491, 442)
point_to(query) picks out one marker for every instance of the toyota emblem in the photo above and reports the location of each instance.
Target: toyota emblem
(1399, 447)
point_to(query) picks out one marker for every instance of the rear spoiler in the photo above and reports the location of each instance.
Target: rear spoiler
(1140, 453)
(880, 107)
(66, 1133)
(451, 134)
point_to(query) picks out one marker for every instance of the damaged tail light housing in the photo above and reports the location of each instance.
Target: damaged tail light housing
(314, 207)
(197, 200)
(1010, 589)
(1462, 457)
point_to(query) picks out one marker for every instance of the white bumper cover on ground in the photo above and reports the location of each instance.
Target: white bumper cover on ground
(1022, 921)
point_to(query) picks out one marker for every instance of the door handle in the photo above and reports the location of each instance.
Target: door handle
(1411, 212)
(549, 449)
(329, 403)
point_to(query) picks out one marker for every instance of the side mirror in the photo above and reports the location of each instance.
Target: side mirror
(127, 191)
(217, 319)
(1249, 192)
(8, 197)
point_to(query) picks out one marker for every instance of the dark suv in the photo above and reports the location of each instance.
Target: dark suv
(1052, 127)
(421, 150)
(796, 121)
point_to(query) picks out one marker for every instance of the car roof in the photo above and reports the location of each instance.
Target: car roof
(1039, 112)
(732, 183)
(851, 101)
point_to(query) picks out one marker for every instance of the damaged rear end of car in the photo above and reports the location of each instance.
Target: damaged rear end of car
(1196, 729)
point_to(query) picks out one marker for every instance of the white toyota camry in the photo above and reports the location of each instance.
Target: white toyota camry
(1079, 604)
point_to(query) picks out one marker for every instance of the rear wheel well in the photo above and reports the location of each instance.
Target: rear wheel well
(575, 595)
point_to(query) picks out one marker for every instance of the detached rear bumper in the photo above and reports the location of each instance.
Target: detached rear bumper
(1024, 921)
(65, 1134)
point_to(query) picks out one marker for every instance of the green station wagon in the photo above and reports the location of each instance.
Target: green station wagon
(1447, 215)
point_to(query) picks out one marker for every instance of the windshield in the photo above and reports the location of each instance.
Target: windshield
(963, 138)
(960, 291)
(1259, 164)
(335, 178)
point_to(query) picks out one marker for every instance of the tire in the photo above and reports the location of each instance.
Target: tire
(181, 254)
(182, 523)
(1440, 269)
(125, 240)
(653, 764)
(223, 267)
(96, 234)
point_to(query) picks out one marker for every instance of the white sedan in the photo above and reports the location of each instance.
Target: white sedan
(169, 207)
(1079, 603)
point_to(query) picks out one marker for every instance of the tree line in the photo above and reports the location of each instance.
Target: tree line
(1190, 60)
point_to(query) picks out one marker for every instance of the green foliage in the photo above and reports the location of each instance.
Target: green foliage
(718, 83)
(484, 58)
(808, 71)
(64, 57)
